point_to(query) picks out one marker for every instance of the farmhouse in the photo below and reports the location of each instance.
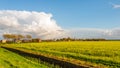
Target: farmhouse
(3, 41)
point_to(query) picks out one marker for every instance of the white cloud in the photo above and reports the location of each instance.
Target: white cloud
(116, 5)
(35, 23)
(41, 24)
(94, 33)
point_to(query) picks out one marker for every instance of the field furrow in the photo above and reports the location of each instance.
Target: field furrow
(86, 53)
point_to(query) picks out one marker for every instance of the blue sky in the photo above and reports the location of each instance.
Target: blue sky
(72, 13)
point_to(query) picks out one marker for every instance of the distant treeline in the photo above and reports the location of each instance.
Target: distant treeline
(113, 40)
(18, 38)
(73, 39)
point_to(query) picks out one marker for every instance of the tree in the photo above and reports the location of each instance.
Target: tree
(7, 36)
(28, 37)
(20, 36)
(17, 37)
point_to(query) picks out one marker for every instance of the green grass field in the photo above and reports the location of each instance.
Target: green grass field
(96, 52)
(12, 60)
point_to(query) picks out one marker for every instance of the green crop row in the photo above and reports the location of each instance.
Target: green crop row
(101, 52)
(12, 60)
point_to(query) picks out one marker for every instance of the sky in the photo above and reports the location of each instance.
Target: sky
(83, 18)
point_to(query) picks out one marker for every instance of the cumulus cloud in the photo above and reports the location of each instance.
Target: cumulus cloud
(116, 5)
(41, 24)
(38, 24)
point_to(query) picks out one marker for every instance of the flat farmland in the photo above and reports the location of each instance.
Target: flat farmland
(11, 60)
(98, 53)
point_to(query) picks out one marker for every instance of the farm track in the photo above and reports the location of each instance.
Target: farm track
(50, 60)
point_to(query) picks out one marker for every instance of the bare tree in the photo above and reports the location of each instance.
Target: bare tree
(7, 36)
(17, 37)
(28, 37)
(20, 36)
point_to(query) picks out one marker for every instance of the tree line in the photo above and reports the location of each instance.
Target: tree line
(19, 38)
(74, 39)
(16, 36)
(28, 38)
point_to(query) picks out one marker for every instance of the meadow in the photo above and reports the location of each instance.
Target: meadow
(97, 53)
(11, 60)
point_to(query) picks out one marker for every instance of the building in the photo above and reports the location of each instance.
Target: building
(3, 41)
